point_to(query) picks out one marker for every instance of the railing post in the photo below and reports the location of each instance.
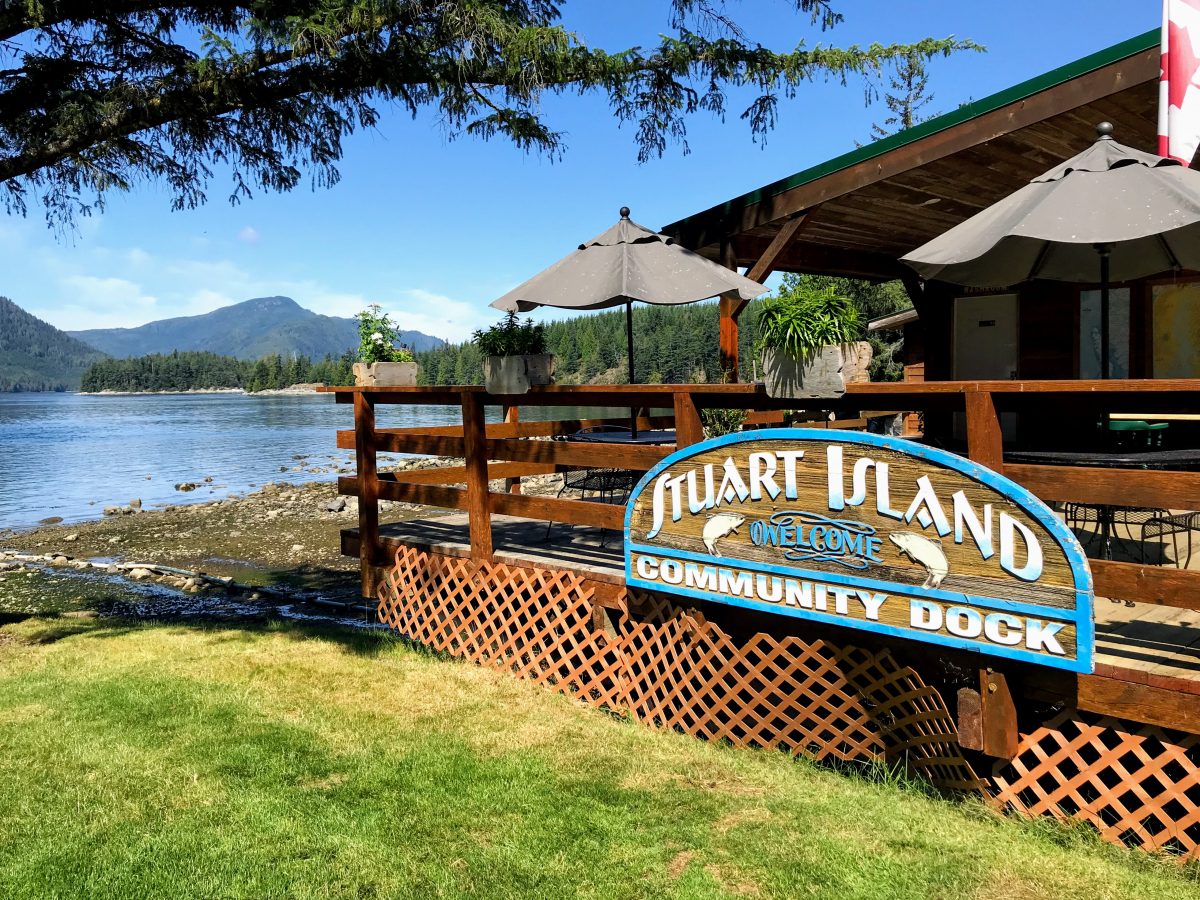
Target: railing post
(985, 444)
(729, 338)
(688, 429)
(512, 416)
(368, 490)
(479, 513)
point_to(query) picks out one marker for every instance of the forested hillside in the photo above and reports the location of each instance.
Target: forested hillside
(36, 356)
(190, 370)
(672, 344)
(250, 330)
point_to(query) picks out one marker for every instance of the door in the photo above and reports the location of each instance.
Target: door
(985, 348)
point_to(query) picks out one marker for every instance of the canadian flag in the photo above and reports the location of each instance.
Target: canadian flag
(1179, 89)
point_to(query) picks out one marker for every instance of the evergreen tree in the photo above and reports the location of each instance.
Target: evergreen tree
(102, 96)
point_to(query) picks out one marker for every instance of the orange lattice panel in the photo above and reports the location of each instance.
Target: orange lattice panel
(1136, 784)
(670, 668)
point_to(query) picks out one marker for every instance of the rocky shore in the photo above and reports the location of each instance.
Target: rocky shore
(282, 540)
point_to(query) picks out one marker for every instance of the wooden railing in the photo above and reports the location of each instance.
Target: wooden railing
(505, 451)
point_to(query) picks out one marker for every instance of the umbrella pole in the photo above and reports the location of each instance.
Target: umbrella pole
(629, 351)
(1103, 250)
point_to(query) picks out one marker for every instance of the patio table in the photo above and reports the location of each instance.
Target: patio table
(1142, 459)
(664, 436)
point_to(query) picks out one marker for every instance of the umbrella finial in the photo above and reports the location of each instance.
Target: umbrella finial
(624, 212)
(1104, 131)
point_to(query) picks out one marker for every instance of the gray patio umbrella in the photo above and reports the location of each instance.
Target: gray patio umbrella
(627, 262)
(1110, 213)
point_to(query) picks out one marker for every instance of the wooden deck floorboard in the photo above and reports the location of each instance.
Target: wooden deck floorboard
(1140, 642)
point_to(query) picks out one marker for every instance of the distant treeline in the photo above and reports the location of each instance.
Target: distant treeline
(672, 344)
(191, 370)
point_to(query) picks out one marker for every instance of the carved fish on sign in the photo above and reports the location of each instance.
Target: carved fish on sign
(717, 527)
(923, 552)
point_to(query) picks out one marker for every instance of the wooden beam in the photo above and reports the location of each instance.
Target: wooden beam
(585, 454)
(1146, 584)
(1110, 487)
(1139, 703)
(511, 416)
(551, 509)
(984, 440)
(478, 507)
(709, 227)
(729, 307)
(688, 429)
(823, 259)
(368, 500)
(788, 230)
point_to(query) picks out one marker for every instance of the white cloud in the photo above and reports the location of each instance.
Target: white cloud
(96, 302)
(249, 234)
(421, 310)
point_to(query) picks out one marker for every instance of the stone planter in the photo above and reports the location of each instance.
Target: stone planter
(515, 374)
(824, 375)
(385, 374)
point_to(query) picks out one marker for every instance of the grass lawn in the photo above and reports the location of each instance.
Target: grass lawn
(161, 760)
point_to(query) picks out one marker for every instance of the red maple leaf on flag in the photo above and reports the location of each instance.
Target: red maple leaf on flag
(1183, 64)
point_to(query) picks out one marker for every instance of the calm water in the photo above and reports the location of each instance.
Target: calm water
(69, 455)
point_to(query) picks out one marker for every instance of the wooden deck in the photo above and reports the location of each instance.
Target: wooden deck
(1144, 643)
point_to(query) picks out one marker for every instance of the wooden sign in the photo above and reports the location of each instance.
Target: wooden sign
(865, 531)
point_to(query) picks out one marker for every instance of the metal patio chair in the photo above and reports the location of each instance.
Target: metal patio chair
(1174, 526)
(609, 485)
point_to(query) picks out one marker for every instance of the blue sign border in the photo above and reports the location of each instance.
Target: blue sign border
(1080, 616)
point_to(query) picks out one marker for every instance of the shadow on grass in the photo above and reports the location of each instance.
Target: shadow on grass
(46, 629)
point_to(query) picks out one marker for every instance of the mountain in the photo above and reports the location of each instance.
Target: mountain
(249, 330)
(36, 356)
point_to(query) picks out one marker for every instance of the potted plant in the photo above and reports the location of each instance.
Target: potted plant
(381, 362)
(808, 340)
(514, 356)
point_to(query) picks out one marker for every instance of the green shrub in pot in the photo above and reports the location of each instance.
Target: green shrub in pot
(808, 338)
(514, 355)
(380, 362)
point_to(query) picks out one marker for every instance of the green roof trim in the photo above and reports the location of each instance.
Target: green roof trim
(1098, 60)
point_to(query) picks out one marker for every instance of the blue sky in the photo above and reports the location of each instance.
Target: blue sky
(435, 229)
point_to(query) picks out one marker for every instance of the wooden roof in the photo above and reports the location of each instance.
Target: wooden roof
(863, 210)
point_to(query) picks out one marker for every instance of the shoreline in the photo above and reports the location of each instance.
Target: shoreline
(285, 534)
(307, 388)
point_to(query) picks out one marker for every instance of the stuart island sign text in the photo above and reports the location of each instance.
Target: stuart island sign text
(868, 532)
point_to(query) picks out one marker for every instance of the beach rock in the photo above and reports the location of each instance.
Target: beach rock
(60, 560)
(186, 486)
(297, 548)
(140, 574)
(50, 520)
(112, 510)
(336, 505)
(71, 538)
(8, 565)
(135, 503)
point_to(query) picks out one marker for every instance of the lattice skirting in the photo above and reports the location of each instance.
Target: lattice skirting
(670, 668)
(1136, 784)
